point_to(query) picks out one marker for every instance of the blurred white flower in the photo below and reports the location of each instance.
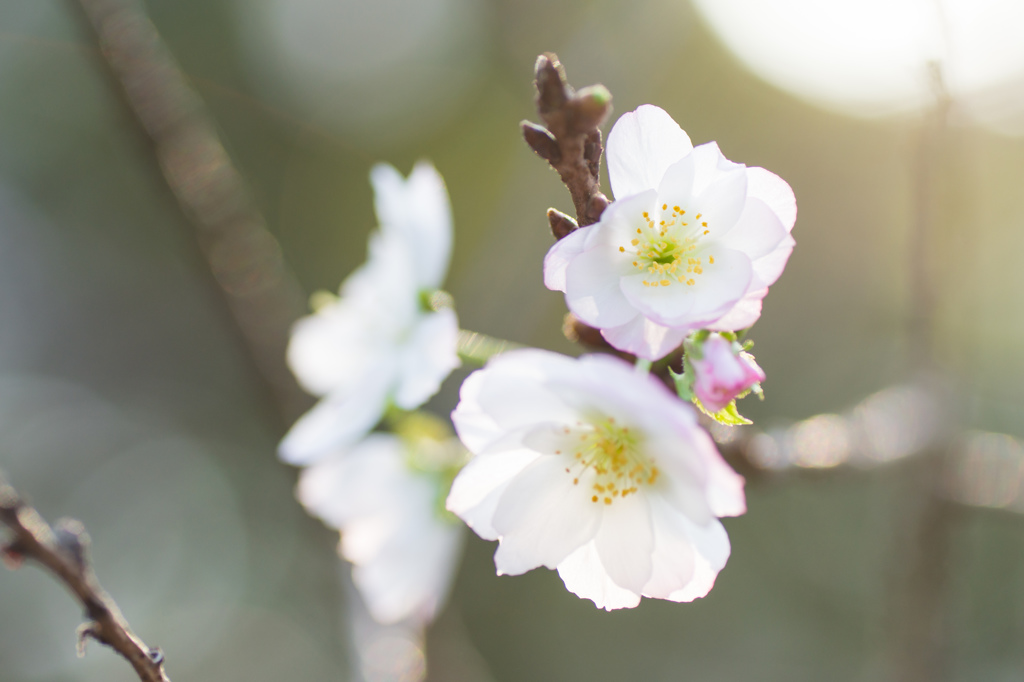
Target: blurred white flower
(692, 241)
(591, 468)
(723, 372)
(385, 495)
(379, 343)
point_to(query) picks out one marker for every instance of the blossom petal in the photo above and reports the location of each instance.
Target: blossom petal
(773, 191)
(412, 573)
(416, 208)
(592, 288)
(679, 305)
(429, 357)
(709, 165)
(512, 394)
(676, 187)
(712, 551)
(327, 351)
(768, 268)
(542, 518)
(479, 486)
(721, 203)
(644, 338)
(758, 231)
(641, 147)
(625, 541)
(724, 486)
(673, 559)
(584, 576)
(745, 313)
(336, 422)
(560, 255)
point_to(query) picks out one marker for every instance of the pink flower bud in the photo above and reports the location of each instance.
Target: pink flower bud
(722, 374)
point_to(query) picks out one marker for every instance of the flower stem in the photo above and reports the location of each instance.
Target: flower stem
(479, 348)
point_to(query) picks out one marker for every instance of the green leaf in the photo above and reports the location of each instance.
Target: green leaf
(729, 415)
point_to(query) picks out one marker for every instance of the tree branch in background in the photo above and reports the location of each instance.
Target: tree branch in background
(261, 292)
(63, 550)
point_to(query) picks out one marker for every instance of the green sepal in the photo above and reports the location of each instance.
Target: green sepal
(684, 387)
(728, 415)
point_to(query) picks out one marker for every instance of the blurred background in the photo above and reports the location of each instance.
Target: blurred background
(129, 399)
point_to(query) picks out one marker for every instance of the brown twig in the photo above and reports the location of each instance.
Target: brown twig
(245, 259)
(571, 143)
(63, 550)
(571, 140)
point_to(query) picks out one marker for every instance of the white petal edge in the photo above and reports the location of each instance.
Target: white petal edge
(641, 146)
(430, 354)
(584, 576)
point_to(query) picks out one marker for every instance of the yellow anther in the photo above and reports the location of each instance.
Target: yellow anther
(711, 259)
(704, 224)
(690, 282)
(594, 498)
(698, 216)
(698, 270)
(635, 242)
(664, 206)
(676, 209)
(706, 231)
(664, 282)
(607, 500)
(622, 249)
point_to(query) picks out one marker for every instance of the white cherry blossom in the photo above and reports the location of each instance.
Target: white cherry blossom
(593, 469)
(403, 545)
(378, 344)
(692, 240)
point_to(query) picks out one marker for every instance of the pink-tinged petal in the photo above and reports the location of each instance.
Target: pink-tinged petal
(709, 165)
(645, 339)
(673, 559)
(429, 357)
(641, 147)
(542, 517)
(711, 544)
(721, 203)
(722, 373)
(417, 210)
(592, 288)
(676, 187)
(585, 577)
(479, 486)
(758, 231)
(625, 541)
(335, 423)
(560, 255)
(768, 268)
(773, 191)
(744, 314)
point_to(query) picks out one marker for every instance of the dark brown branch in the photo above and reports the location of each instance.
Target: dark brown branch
(244, 257)
(571, 140)
(64, 551)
